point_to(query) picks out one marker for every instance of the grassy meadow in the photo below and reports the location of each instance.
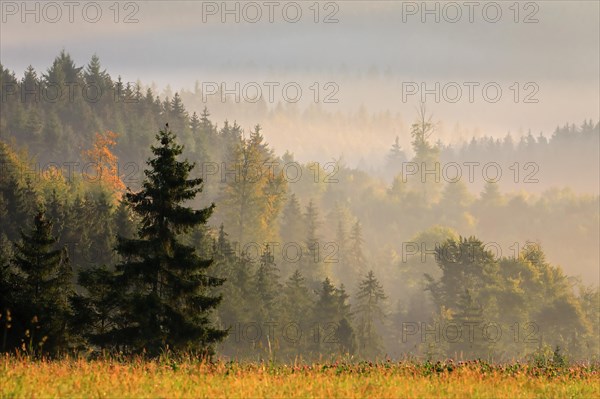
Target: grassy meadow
(25, 378)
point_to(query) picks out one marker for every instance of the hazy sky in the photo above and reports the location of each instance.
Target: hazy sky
(372, 52)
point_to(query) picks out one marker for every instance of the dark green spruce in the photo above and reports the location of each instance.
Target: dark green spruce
(166, 304)
(40, 308)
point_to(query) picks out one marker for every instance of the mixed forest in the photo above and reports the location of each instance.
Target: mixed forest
(131, 224)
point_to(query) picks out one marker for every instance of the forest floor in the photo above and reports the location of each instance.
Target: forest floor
(21, 377)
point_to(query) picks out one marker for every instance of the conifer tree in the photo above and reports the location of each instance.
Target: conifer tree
(179, 117)
(63, 70)
(292, 235)
(267, 285)
(344, 333)
(195, 124)
(298, 302)
(357, 262)
(43, 276)
(167, 291)
(369, 311)
(292, 223)
(297, 298)
(253, 190)
(326, 313)
(76, 235)
(19, 198)
(55, 211)
(96, 313)
(203, 134)
(243, 277)
(102, 228)
(97, 78)
(331, 312)
(311, 260)
(426, 157)
(31, 86)
(225, 266)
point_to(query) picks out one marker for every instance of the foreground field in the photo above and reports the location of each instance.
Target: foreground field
(107, 378)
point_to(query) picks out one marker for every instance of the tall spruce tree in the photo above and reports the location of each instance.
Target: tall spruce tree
(41, 309)
(332, 332)
(369, 310)
(167, 301)
(298, 299)
(97, 79)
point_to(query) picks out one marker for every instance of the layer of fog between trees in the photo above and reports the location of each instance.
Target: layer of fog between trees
(368, 282)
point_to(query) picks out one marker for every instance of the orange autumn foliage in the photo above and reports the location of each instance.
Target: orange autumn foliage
(103, 165)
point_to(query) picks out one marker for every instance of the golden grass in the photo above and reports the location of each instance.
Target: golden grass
(23, 378)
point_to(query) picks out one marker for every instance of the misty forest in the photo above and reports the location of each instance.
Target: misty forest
(139, 224)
